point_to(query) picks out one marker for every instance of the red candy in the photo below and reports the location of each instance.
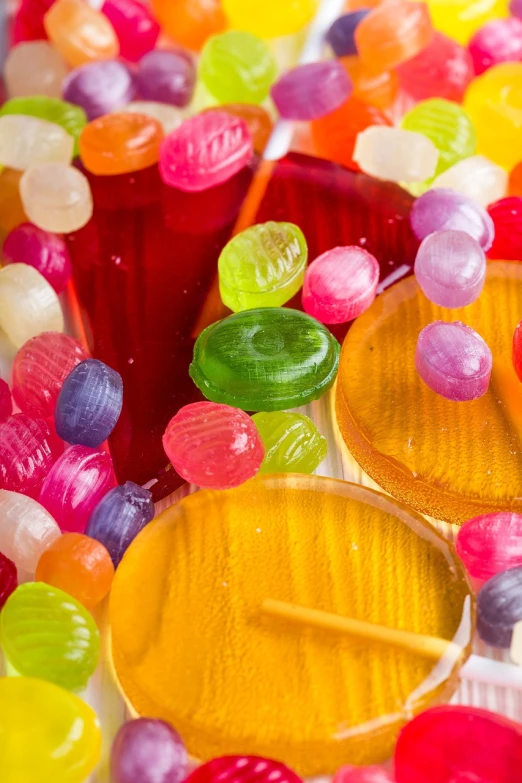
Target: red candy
(243, 769)
(507, 218)
(6, 402)
(491, 543)
(28, 449)
(8, 578)
(442, 70)
(28, 22)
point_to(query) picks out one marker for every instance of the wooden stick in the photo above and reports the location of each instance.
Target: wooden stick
(428, 646)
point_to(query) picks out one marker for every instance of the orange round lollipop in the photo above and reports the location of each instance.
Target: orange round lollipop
(120, 143)
(80, 566)
(190, 22)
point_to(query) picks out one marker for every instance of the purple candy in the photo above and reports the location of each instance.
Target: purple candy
(497, 42)
(133, 23)
(451, 268)
(340, 36)
(499, 607)
(311, 91)
(166, 76)
(148, 751)
(45, 251)
(453, 360)
(443, 209)
(119, 517)
(89, 404)
(100, 87)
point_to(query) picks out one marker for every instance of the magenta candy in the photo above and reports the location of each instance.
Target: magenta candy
(214, 446)
(99, 87)
(507, 219)
(515, 8)
(206, 150)
(6, 401)
(166, 76)
(243, 769)
(47, 252)
(340, 284)
(311, 91)
(497, 42)
(371, 774)
(28, 450)
(149, 751)
(490, 544)
(453, 360)
(8, 578)
(450, 267)
(40, 368)
(442, 70)
(74, 486)
(443, 209)
(134, 25)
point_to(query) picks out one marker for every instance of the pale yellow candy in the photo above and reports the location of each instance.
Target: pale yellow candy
(477, 177)
(26, 141)
(28, 304)
(26, 530)
(34, 68)
(169, 117)
(395, 154)
(56, 197)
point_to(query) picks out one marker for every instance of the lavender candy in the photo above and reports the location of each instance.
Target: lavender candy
(499, 607)
(340, 36)
(443, 209)
(89, 404)
(149, 751)
(166, 76)
(119, 517)
(311, 91)
(99, 87)
(450, 268)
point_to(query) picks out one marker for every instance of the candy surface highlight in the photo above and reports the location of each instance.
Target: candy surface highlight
(451, 268)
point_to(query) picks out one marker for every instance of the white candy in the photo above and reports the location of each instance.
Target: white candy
(56, 197)
(26, 141)
(28, 304)
(26, 529)
(395, 154)
(477, 177)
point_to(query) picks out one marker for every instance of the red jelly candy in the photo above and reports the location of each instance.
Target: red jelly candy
(507, 218)
(491, 543)
(456, 744)
(28, 450)
(8, 578)
(6, 402)
(243, 769)
(517, 350)
(442, 70)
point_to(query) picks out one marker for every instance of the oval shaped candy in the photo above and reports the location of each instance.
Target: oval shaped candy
(28, 304)
(135, 26)
(43, 250)
(47, 634)
(148, 750)
(498, 41)
(490, 544)
(100, 87)
(265, 359)
(8, 578)
(120, 143)
(34, 68)
(292, 442)
(26, 529)
(166, 76)
(242, 769)
(26, 141)
(311, 91)
(499, 607)
(80, 33)
(56, 197)
(444, 209)
(28, 449)
(476, 177)
(68, 116)
(395, 154)
(451, 268)
(262, 266)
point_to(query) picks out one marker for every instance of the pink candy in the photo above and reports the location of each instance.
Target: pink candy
(453, 360)
(491, 543)
(6, 401)
(451, 268)
(45, 251)
(340, 284)
(497, 42)
(28, 450)
(135, 27)
(371, 774)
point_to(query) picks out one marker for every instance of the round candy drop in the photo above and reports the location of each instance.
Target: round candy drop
(491, 543)
(507, 216)
(56, 197)
(271, 18)
(446, 210)
(28, 449)
(340, 36)
(292, 442)
(28, 304)
(26, 141)
(242, 769)
(475, 177)
(396, 154)
(134, 25)
(44, 251)
(6, 401)
(451, 268)
(517, 350)
(68, 116)
(453, 360)
(371, 774)
(8, 578)
(499, 607)
(340, 284)
(312, 90)
(120, 143)
(496, 42)
(190, 22)
(26, 529)
(34, 68)
(150, 751)
(89, 404)
(80, 33)
(442, 70)
(166, 76)
(100, 87)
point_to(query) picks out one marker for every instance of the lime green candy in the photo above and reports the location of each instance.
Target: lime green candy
(45, 633)
(263, 266)
(70, 117)
(237, 67)
(292, 442)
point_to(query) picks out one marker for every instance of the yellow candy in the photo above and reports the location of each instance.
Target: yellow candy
(46, 733)
(461, 18)
(269, 18)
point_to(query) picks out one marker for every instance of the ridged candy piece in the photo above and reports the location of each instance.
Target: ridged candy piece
(119, 517)
(376, 89)
(243, 769)
(78, 565)
(237, 67)
(205, 151)
(26, 141)
(148, 750)
(506, 215)
(6, 401)
(451, 268)
(447, 125)
(517, 350)
(67, 115)
(80, 33)
(62, 730)
(8, 578)
(214, 446)
(442, 70)
(134, 25)
(190, 22)
(453, 360)
(340, 284)
(490, 544)
(167, 77)
(47, 634)
(265, 359)
(120, 143)
(100, 87)
(271, 18)
(443, 209)
(74, 486)
(28, 304)
(476, 177)
(263, 266)
(56, 197)
(396, 154)
(340, 35)
(43, 250)
(28, 449)
(499, 607)
(311, 91)
(292, 442)
(498, 41)
(34, 68)
(257, 118)
(89, 404)
(371, 774)
(26, 529)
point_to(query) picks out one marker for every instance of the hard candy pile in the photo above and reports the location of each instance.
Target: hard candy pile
(426, 95)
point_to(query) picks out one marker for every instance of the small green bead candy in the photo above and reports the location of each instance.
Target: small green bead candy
(292, 442)
(237, 67)
(263, 266)
(45, 633)
(268, 359)
(70, 117)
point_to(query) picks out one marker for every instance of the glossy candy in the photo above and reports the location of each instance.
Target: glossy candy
(190, 22)
(271, 18)
(340, 284)
(444, 210)
(89, 404)
(134, 25)
(372, 774)
(64, 731)
(28, 304)
(257, 119)
(8, 578)
(148, 750)
(496, 42)
(47, 634)
(499, 607)
(26, 141)
(169, 117)
(28, 450)
(442, 70)
(68, 116)
(311, 91)
(26, 529)
(11, 208)
(78, 565)
(100, 87)
(80, 33)
(292, 442)
(166, 76)
(6, 402)
(205, 151)
(263, 266)
(56, 197)
(265, 359)
(119, 517)
(120, 143)
(476, 177)
(44, 251)
(507, 215)
(451, 268)
(237, 67)
(396, 154)
(517, 350)
(34, 68)
(515, 183)
(490, 544)
(241, 769)
(340, 36)
(376, 89)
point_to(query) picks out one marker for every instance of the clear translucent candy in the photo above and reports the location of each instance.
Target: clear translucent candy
(292, 442)
(26, 141)
(26, 529)
(395, 154)
(34, 68)
(451, 268)
(56, 197)
(476, 177)
(28, 304)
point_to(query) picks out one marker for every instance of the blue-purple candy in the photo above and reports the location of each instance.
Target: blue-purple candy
(340, 36)
(166, 76)
(499, 607)
(100, 87)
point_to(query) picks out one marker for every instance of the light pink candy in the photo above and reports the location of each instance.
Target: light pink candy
(340, 285)
(373, 774)
(491, 543)
(453, 360)
(451, 268)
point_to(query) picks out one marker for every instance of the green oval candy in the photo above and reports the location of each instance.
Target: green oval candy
(266, 359)
(292, 442)
(70, 117)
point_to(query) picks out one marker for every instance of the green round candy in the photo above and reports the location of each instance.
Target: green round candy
(267, 359)
(263, 266)
(70, 117)
(45, 633)
(237, 67)
(292, 442)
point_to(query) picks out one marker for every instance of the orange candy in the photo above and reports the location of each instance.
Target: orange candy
(515, 181)
(80, 566)
(376, 88)
(80, 33)
(11, 208)
(120, 143)
(190, 22)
